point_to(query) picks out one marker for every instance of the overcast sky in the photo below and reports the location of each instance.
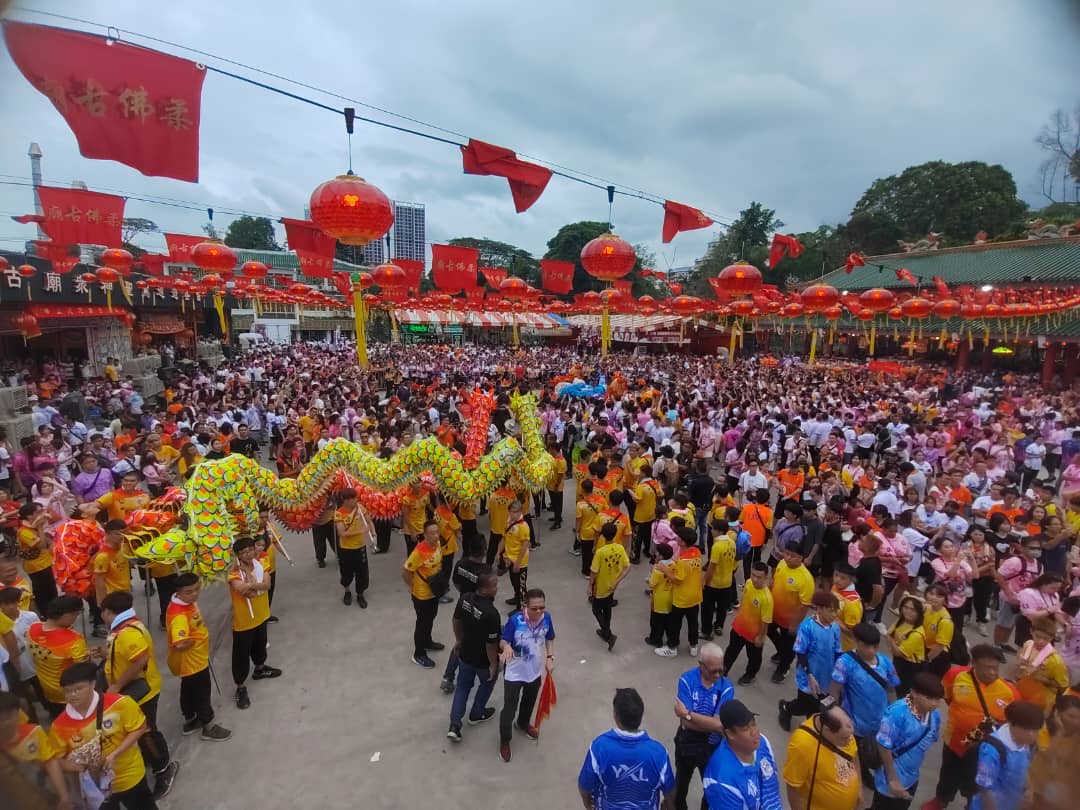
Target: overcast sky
(715, 104)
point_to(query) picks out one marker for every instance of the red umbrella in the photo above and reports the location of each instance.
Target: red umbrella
(546, 702)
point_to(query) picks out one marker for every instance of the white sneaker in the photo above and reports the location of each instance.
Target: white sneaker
(693, 651)
(984, 629)
(666, 652)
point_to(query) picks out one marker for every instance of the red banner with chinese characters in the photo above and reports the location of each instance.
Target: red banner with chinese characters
(63, 257)
(556, 276)
(527, 180)
(494, 276)
(414, 271)
(454, 268)
(125, 103)
(679, 217)
(474, 295)
(623, 286)
(74, 216)
(312, 247)
(180, 246)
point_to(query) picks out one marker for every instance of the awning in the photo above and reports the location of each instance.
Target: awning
(534, 320)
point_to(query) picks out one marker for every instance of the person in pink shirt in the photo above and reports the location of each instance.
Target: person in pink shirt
(895, 554)
(1014, 575)
(1040, 600)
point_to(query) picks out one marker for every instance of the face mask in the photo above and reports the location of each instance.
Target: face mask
(1036, 553)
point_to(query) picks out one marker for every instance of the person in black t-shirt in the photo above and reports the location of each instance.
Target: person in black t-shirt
(243, 443)
(465, 577)
(477, 628)
(868, 582)
(833, 548)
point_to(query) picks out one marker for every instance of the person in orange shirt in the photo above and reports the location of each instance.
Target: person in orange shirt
(1010, 505)
(120, 502)
(248, 588)
(791, 480)
(112, 572)
(757, 519)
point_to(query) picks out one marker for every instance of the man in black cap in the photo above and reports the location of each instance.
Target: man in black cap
(742, 771)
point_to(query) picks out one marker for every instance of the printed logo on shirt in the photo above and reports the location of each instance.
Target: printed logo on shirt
(766, 771)
(630, 773)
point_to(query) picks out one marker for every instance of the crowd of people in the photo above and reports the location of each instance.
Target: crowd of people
(869, 528)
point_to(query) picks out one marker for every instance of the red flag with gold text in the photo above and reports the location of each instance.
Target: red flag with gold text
(125, 103)
(556, 276)
(312, 247)
(453, 269)
(494, 276)
(74, 216)
(623, 285)
(180, 246)
(63, 257)
(414, 271)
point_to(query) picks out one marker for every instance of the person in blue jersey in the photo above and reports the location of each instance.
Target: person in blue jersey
(742, 773)
(1005, 757)
(701, 694)
(527, 648)
(817, 644)
(864, 683)
(910, 727)
(625, 768)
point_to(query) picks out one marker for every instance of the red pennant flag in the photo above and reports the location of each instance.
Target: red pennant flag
(903, 274)
(546, 702)
(854, 260)
(26, 219)
(494, 276)
(679, 217)
(74, 216)
(784, 245)
(63, 257)
(123, 103)
(453, 269)
(180, 246)
(527, 180)
(414, 271)
(556, 276)
(312, 247)
(675, 287)
(474, 295)
(942, 287)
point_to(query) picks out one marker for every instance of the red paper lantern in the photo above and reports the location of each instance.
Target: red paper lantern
(118, 259)
(389, 276)
(833, 313)
(686, 304)
(744, 307)
(608, 257)
(646, 305)
(971, 311)
(26, 270)
(210, 280)
(213, 256)
(993, 310)
(106, 275)
(896, 314)
(819, 297)
(611, 297)
(740, 277)
(365, 280)
(877, 300)
(513, 287)
(917, 308)
(947, 308)
(254, 270)
(351, 210)
(29, 325)
(4, 264)
(129, 319)
(185, 334)
(864, 315)
(793, 310)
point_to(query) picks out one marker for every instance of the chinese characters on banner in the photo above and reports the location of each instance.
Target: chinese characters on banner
(679, 217)
(122, 102)
(74, 216)
(62, 257)
(414, 270)
(494, 276)
(623, 286)
(312, 247)
(180, 246)
(453, 269)
(556, 277)
(474, 295)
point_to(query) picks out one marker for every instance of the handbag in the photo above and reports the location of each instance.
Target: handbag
(138, 688)
(986, 726)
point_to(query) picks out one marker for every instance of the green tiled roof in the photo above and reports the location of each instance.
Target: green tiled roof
(286, 260)
(1035, 261)
(1064, 326)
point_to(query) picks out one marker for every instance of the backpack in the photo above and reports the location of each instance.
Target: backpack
(742, 544)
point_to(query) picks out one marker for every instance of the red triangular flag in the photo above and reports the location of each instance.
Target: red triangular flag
(679, 217)
(313, 248)
(546, 702)
(26, 219)
(854, 260)
(903, 274)
(784, 245)
(942, 287)
(125, 103)
(414, 271)
(76, 216)
(527, 180)
(494, 276)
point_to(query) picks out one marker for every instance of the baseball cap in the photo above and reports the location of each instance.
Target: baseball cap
(734, 714)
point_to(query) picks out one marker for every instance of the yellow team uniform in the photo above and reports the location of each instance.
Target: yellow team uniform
(350, 529)
(662, 592)
(938, 628)
(755, 612)
(449, 526)
(607, 564)
(722, 562)
(28, 538)
(119, 504)
(29, 745)
(515, 539)
(415, 508)
(425, 562)
(791, 590)
(851, 613)
(686, 591)
(114, 565)
(184, 622)
(557, 480)
(645, 495)
(588, 512)
(129, 642)
(23, 584)
(120, 717)
(836, 782)
(1053, 669)
(910, 641)
(622, 526)
(686, 514)
(498, 509)
(244, 618)
(53, 652)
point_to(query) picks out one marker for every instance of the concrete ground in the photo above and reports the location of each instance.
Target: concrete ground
(353, 723)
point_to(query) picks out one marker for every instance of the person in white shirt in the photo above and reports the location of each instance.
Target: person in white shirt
(1034, 454)
(886, 497)
(753, 479)
(984, 503)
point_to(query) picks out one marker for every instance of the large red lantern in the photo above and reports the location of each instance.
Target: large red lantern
(513, 287)
(833, 313)
(608, 257)
(106, 275)
(947, 308)
(118, 259)
(743, 307)
(917, 308)
(26, 270)
(686, 304)
(351, 210)
(254, 270)
(646, 305)
(213, 256)
(388, 276)
(365, 280)
(740, 277)
(819, 297)
(793, 310)
(590, 299)
(878, 300)
(864, 315)
(971, 311)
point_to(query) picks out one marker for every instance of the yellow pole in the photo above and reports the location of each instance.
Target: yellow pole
(360, 325)
(517, 338)
(873, 337)
(393, 326)
(219, 305)
(605, 331)
(813, 345)
(731, 345)
(911, 343)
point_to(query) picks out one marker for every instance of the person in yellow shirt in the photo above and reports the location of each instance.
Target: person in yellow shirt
(514, 552)
(119, 503)
(414, 511)
(36, 553)
(610, 565)
(1041, 674)
(646, 492)
(587, 524)
(938, 628)
(908, 643)
(719, 594)
(615, 515)
(466, 513)
(660, 591)
(686, 587)
(354, 532)
(792, 592)
(55, 647)
(248, 588)
(129, 667)
(498, 503)
(822, 756)
(122, 724)
(851, 607)
(449, 538)
(751, 623)
(112, 570)
(27, 744)
(556, 482)
(189, 659)
(9, 578)
(422, 566)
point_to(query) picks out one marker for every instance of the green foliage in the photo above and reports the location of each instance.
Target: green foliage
(956, 200)
(135, 226)
(566, 246)
(251, 233)
(517, 261)
(1058, 213)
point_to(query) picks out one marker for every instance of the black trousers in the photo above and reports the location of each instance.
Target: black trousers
(195, 697)
(642, 538)
(715, 603)
(152, 744)
(468, 528)
(556, 499)
(383, 530)
(957, 774)
(43, 585)
(737, 644)
(353, 566)
(658, 628)
(518, 697)
(688, 760)
(273, 587)
(675, 625)
(519, 579)
(983, 590)
(958, 648)
(139, 797)
(426, 610)
(587, 549)
(784, 641)
(882, 802)
(748, 561)
(322, 535)
(804, 705)
(601, 609)
(538, 502)
(166, 587)
(493, 547)
(906, 672)
(248, 646)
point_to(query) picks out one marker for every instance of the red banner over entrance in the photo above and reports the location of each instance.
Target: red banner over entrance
(313, 248)
(74, 216)
(180, 246)
(414, 271)
(494, 276)
(556, 276)
(454, 268)
(63, 257)
(123, 103)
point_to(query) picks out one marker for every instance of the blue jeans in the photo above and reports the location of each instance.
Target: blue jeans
(701, 520)
(465, 676)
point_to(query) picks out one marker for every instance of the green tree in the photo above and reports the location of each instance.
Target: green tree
(566, 246)
(251, 233)
(747, 238)
(517, 261)
(956, 200)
